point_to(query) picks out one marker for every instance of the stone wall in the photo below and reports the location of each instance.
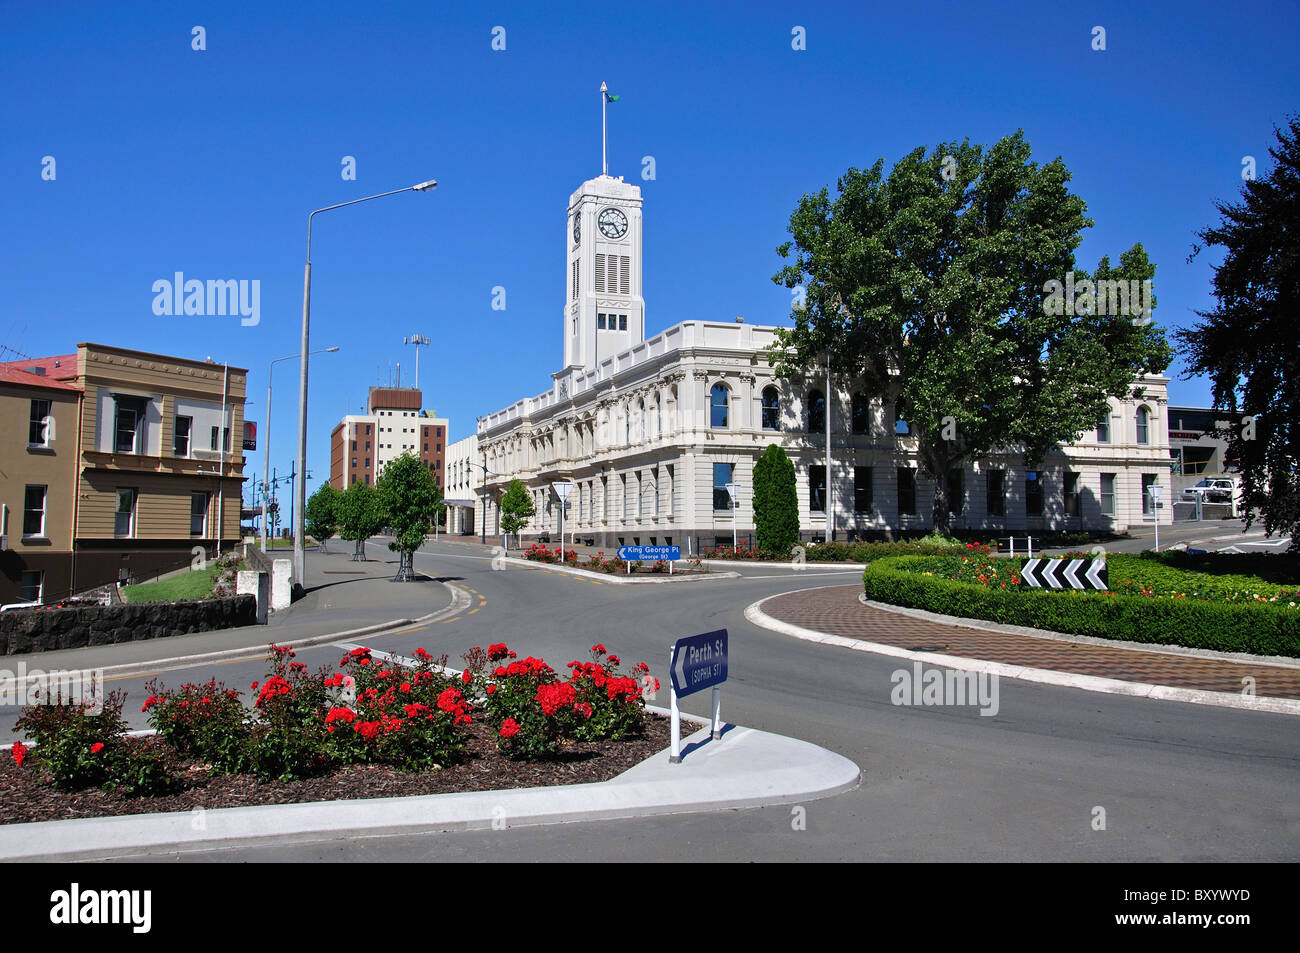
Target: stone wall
(47, 629)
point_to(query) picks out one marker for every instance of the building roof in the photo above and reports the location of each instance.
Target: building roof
(9, 374)
(393, 398)
(60, 367)
(161, 357)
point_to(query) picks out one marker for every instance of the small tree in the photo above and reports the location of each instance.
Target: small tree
(411, 500)
(776, 502)
(322, 514)
(516, 508)
(360, 514)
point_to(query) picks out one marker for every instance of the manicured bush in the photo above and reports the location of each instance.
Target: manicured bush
(205, 722)
(776, 502)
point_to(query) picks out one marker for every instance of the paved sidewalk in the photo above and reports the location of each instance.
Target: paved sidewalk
(836, 610)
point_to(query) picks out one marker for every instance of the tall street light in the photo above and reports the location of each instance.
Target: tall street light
(301, 489)
(266, 437)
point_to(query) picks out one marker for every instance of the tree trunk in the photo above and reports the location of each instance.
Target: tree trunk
(938, 465)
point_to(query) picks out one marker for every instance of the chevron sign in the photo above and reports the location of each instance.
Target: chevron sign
(1065, 573)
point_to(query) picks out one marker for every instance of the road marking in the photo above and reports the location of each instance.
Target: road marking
(472, 611)
(449, 621)
(405, 631)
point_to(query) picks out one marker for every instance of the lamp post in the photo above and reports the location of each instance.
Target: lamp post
(266, 437)
(562, 490)
(733, 491)
(298, 558)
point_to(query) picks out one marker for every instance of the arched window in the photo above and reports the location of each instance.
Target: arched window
(861, 413)
(1143, 426)
(771, 409)
(718, 405)
(816, 412)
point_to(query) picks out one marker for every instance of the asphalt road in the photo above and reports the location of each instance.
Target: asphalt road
(1172, 781)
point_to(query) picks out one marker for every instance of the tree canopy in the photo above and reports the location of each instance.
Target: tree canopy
(949, 290)
(516, 508)
(1249, 343)
(361, 513)
(411, 500)
(322, 513)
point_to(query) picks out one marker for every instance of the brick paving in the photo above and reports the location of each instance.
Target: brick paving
(835, 610)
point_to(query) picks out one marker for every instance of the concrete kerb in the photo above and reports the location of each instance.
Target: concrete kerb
(1091, 683)
(747, 768)
(615, 578)
(784, 564)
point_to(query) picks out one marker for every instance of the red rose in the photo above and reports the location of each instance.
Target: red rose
(20, 752)
(466, 677)
(509, 728)
(97, 747)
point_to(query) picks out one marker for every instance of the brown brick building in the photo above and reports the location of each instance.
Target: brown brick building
(362, 444)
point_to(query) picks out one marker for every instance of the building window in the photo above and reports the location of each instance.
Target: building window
(1033, 494)
(862, 501)
(604, 498)
(354, 462)
(639, 482)
(1070, 488)
(721, 477)
(1148, 481)
(600, 321)
(354, 446)
(367, 434)
(997, 493)
(34, 512)
(38, 430)
(1143, 427)
(718, 405)
(627, 499)
(817, 489)
(199, 515)
(771, 409)
(861, 413)
(124, 517)
(816, 411)
(622, 320)
(956, 492)
(655, 478)
(225, 439)
(1103, 430)
(1108, 494)
(33, 586)
(906, 491)
(128, 425)
(181, 437)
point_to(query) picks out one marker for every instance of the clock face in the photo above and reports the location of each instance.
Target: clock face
(612, 223)
(577, 229)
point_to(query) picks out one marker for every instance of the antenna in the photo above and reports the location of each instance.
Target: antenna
(417, 340)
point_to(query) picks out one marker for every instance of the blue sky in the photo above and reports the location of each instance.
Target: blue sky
(207, 162)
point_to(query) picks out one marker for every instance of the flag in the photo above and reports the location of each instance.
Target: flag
(610, 98)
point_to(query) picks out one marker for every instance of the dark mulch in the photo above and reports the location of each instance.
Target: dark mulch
(24, 798)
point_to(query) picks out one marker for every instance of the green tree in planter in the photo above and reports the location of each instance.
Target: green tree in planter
(411, 501)
(360, 514)
(322, 513)
(776, 502)
(516, 508)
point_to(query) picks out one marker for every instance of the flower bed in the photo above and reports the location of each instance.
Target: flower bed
(1146, 602)
(599, 562)
(305, 726)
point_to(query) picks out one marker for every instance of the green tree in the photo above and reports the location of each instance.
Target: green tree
(322, 513)
(776, 502)
(1249, 344)
(933, 289)
(360, 514)
(516, 508)
(411, 500)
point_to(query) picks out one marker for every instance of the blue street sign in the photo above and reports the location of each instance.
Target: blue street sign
(702, 660)
(633, 553)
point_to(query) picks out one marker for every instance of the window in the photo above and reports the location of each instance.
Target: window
(956, 492)
(1108, 494)
(367, 443)
(817, 489)
(1148, 481)
(181, 437)
(129, 425)
(354, 446)
(38, 431)
(862, 501)
(816, 411)
(639, 483)
(771, 409)
(124, 518)
(627, 500)
(997, 493)
(906, 491)
(199, 515)
(33, 586)
(34, 512)
(1103, 430)
(861, 413)
(600, 321)
(1033, 494)
(367, 462)
(622, 321)
(225, 439)
(656, 490)
(718, 405)
(721, 477)
(604, 498)
(1070, 488)
(367, 434)
(1143, 430)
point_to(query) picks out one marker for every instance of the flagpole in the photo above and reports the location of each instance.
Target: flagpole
(604, 164)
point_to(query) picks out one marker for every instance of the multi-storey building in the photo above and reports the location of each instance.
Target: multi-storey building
(361, 445)
(464, 483)
(650, 432)
(149, 477)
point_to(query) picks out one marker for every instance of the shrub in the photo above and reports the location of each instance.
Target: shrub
(207, 722)
(776, 502)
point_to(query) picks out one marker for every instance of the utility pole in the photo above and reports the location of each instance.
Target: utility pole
(417, 340)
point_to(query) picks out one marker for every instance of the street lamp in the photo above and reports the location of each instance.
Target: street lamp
(298, 558)
(733, 490)
(562, 490)
(266, 437)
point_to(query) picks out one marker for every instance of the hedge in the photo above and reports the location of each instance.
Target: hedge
(1224, 627)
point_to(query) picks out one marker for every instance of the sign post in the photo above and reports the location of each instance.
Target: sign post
(629, 553)
(1155, 489)
(703, 663)
(562, 490)
(733, 490)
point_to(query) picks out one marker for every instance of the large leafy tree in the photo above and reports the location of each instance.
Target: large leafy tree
(516, 508)
(932, 289)
(360, 514)
(411, 499)
(322, 513)
(776, 502)
(1249, 344)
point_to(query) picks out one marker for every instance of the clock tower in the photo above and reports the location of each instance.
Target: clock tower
(604, 312)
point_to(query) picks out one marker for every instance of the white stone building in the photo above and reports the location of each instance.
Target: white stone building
(650, 431)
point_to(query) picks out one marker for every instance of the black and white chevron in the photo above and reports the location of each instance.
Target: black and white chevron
(1065, 574)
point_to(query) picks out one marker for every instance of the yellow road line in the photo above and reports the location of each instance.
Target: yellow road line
(448, 621)
(405, 631)
(472, 611)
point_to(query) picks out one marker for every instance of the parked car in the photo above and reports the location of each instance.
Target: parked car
(20, 605)
(1212, 490)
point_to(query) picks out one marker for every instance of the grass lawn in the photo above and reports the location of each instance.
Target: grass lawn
(196, 584)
